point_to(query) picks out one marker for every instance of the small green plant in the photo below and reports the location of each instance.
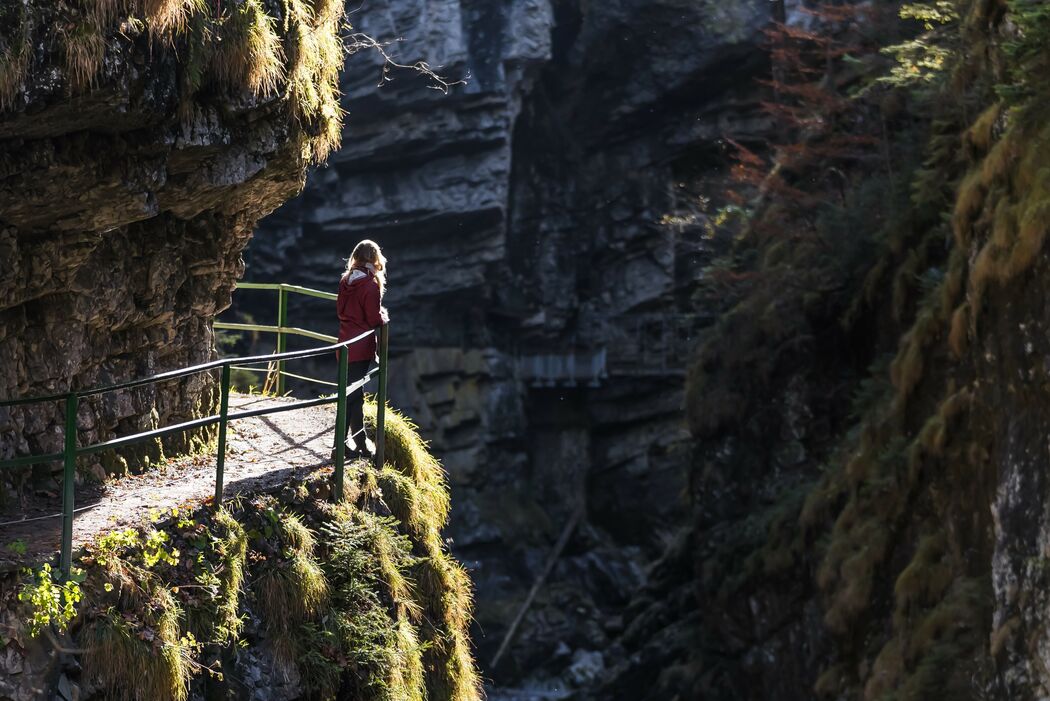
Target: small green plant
(154, 547)
(51, 603)
(18, 547)
(154, 550)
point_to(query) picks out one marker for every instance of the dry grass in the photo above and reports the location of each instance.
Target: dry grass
(968, 204)
(128, 667)
(449, 668)
(831, 682)
(406, 680)
(167, 17)
(241, 51)
(84, 47)
(819, 503)
(906, 369)
(868, 545)
(315, 59)
(249, 54)
(954, 282)
(15, 49)
(415, 489)
(407, 454)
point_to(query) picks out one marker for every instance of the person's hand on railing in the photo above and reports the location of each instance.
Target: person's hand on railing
(384, 316)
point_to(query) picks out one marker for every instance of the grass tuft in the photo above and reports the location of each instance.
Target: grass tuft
(220, 621)
(291, 589)
(167, 17)
(315, 58)
(84, 47)
(15, 49)
(152, 663)
(925, 580)
(249, 54)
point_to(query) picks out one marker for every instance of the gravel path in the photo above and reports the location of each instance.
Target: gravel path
(262, 452)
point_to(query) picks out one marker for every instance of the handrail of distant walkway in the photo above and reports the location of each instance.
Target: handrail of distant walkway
(71, 399)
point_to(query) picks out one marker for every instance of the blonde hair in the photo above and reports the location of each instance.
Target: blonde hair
(368, 252)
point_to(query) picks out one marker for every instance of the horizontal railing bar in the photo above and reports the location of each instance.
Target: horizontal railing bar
(34, 400)
(298, 289)
(155, 433)
(310, 379)
(186, 425)
(20, 521)
(291, 406)
(310, 292)
(286, 374)
(175, 374)
(295, 331)
(30, 460)
(258, 286)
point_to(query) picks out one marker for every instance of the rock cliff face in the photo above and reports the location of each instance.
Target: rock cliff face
(869, 413)
(135, 159)
(866, 454)
(543, 251)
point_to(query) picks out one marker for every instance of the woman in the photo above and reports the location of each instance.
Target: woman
(359, 308)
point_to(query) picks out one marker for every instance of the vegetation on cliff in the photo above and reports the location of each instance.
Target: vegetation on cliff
(358, 599)
(256, 50)
(894, 284)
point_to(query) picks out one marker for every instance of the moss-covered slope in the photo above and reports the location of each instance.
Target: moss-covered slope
(276, 595)
(871, 412)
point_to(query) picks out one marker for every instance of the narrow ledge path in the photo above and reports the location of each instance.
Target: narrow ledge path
(262, 453)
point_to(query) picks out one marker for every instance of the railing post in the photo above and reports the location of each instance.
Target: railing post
(340, 424)
(282, 342)
(220, 458)
(384, 348)
(68, 478)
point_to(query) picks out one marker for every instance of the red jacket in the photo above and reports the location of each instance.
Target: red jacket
(359, 310)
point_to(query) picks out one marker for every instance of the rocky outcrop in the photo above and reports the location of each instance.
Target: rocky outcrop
(543, 253)
(135, 159)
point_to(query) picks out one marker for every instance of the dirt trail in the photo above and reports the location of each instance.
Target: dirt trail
(262, 452)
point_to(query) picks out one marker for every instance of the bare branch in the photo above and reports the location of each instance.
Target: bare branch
(359, 41)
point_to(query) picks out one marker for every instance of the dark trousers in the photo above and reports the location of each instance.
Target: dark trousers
(355, 402)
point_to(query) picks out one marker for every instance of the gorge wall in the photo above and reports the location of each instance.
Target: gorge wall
(544, 225)
(864, 473)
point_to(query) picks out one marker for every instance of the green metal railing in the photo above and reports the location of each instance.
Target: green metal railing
(282, 329)
(71, 402)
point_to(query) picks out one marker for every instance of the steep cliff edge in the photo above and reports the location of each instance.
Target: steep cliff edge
(139, 144)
